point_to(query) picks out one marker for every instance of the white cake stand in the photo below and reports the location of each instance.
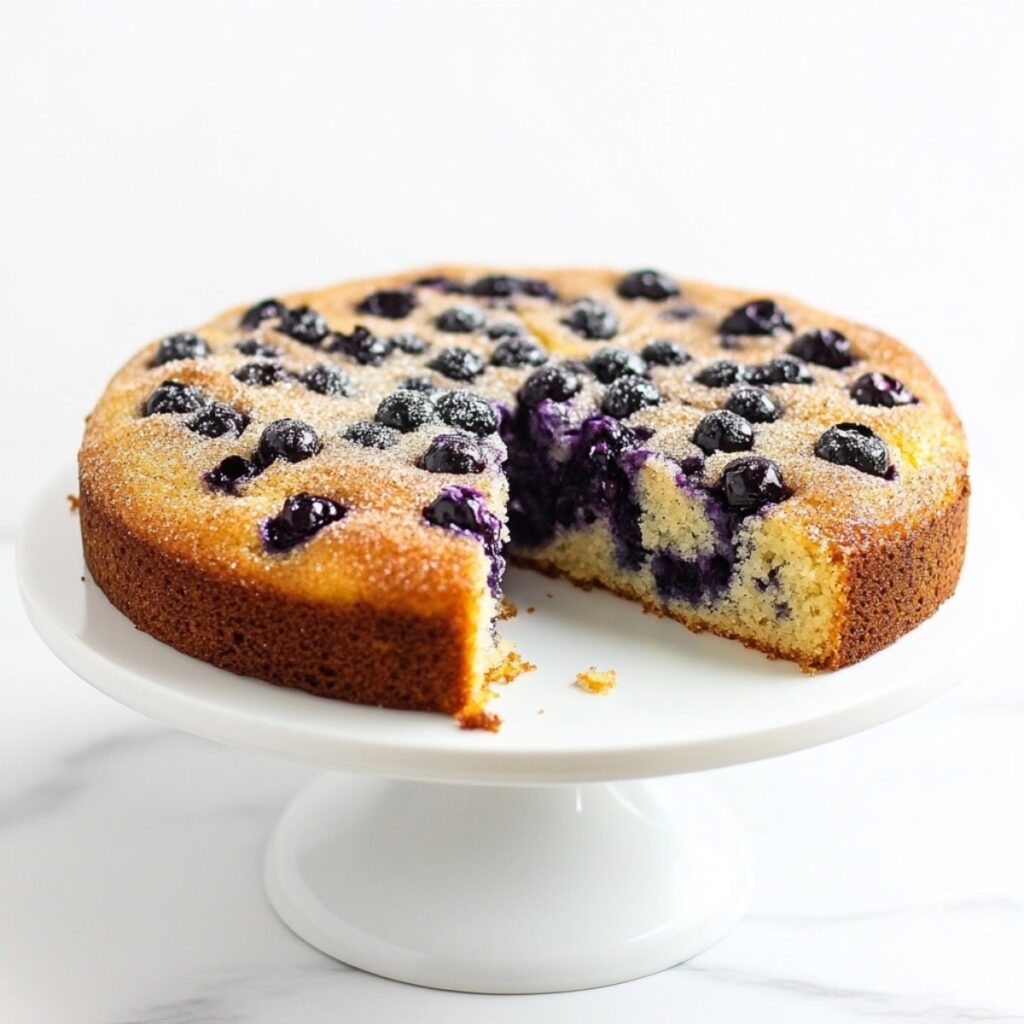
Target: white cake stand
(528, 861)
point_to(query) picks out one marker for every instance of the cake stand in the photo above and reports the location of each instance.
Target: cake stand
(576, 847)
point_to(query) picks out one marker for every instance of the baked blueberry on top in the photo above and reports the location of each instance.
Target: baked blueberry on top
(287, 439)
(390, 303)
(592, 320)
(326, 379)
(458, 364)
(518, 351)
(180, 346)
(406, 410)
(322, 489)
(665, 352)
(361, 346)
(762, 316)
(823, 346)
(557, 383)
(608, 364)
(171, 397)
(304, 324)
(301, 516)
(468, 411)
(268, 309)
(853, 444)
(647, 284)
(723, 431)
(881, 389)
(218, 419)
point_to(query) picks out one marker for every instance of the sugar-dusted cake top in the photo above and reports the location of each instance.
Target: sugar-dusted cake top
(370, 416)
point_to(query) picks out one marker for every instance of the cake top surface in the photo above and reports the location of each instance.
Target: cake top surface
(379, 375)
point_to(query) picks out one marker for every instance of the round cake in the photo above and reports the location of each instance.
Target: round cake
(322, 490)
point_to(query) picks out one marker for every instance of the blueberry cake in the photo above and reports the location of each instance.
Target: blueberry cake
(322, 490)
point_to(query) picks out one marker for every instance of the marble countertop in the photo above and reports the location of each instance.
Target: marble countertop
(890, 875)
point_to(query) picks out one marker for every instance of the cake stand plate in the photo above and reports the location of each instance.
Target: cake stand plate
(553, 855)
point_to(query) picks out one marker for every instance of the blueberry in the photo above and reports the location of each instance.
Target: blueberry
(647, 284)
(496, 286)
(301, 516)
(261, 375)
(663, 352)
(424, 384)
(750, 482)
(459, 508)
(361, 346)
(881, 389)
(679, 313)
(268, 309)
(608, 364)
(762, 316)
(291, 440)
(721, 374)
(454, 453)
(254, 347)
(723, 431)
(503, 286)
(218, 419)
(592, 320)
(460, 320)
(537, 289)
(326, 379)
(780, 370)
(371, 435)
(465, 510)
(518, 351)
(556, 382)
(458, 364)
(854, 445)
(230, 473)
(823, 346)
(390, 303)
(440, 283)
(754, 405)
(173, 396)
(180, 346)
(628, 395)
(411, 343)
(505, 329)
(467, 411)
(304, 324)
(406, 410)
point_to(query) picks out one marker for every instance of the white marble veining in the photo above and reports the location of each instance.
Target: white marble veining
(889, 884)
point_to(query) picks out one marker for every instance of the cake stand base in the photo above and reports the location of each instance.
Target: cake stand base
(508, 889)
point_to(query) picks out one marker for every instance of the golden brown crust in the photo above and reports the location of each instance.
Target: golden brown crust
(896, 583)
(352, 652)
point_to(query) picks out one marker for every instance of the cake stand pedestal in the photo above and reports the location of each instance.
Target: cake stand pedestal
(573, 849)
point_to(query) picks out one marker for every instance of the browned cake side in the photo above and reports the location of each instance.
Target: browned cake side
(352, 652)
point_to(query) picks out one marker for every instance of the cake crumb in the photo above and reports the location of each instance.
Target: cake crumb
(477, 718)
(508, 610)
(73, 502)
(530, 610)
(510, 667)
(595, 681)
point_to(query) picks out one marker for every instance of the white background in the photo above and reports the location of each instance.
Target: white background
(162, 161)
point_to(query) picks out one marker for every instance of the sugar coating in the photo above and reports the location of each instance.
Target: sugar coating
(383, 553)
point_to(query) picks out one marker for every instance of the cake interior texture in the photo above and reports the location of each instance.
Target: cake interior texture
(324, 490)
